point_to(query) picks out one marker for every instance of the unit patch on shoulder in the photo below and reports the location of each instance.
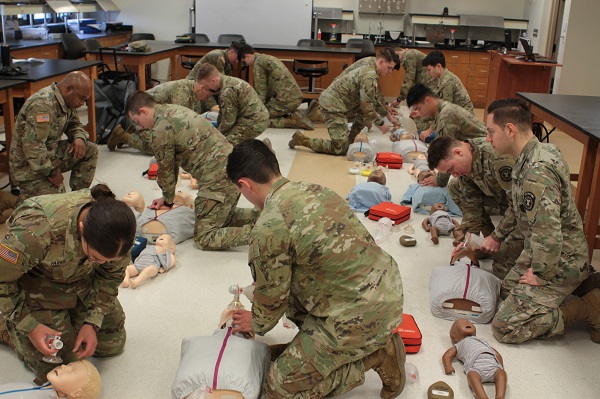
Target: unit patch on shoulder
(528, 200)
(8, 254)
(41, 118)
(505, 173)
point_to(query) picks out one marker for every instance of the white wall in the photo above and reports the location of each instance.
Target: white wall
(539, 14)
(578, 51)
(504, 8)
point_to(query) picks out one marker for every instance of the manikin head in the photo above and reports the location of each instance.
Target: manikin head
(437, 207)
(460, 329)
(361, 138)
(78, 379)
(377, 176)
(135, 200)
(166, 241)
(184, 199)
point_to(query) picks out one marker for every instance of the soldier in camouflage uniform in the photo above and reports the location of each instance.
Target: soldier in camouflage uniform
(414, 73)
(223, 60)
(314, 261)
(61, 264)
(355, 97)
(447, 86)
(448, 120)
(182, 138)
(242, 115)
(482, 181)
(276, 88)
(38, 156)
(555, 257)
(176, 92)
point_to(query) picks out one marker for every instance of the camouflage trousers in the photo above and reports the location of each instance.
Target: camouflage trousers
(82, 172)
(111, 337)
(531, 311)
(278, 108)
(245, 131)
(337, 126)
(136, 140)
(222, 225)
(309, 369)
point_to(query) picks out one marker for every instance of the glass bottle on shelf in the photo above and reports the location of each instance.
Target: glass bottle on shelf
(333, 37)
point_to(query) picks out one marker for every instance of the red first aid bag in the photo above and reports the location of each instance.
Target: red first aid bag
(390, 159)
(153, 171)
(410, 334)
(396, 212)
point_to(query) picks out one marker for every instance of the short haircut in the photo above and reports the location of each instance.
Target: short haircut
(417, 94)
(206, 71)
(236, 46)
(137, 100)
(252, 159)
(394, 49)
(511, 110)
(244, 50)
(441, 149)
(434, 58)
(388, 55)
(109, 225)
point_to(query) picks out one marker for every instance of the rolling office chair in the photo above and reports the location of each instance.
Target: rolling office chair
(74, 48)
(192, 59)
(311, 69)
(146, 36)
(365, 45)
(228, 38)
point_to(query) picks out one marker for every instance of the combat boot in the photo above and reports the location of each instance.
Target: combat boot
(388, 362)
(313, 113)
(586, 308)
(298, 139)
(301, 121)
(117, 138)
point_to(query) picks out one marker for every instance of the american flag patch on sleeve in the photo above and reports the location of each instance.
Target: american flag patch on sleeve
(42, 118)
(8, 254)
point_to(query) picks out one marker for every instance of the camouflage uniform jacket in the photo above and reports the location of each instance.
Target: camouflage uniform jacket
(218, 58)
(451, 89)
(182, 138)
(239, 104)
(179, 92)
(272, 79)
(555, 246)
(43, 265)
(356, 91)
(456, 122)
(491, 176)
(414, 72)
(38, 130)
(369, 62)
(314, 260)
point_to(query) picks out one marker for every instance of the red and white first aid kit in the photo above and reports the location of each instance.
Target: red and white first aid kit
(410, 334)
(396, 212)
(390, 159)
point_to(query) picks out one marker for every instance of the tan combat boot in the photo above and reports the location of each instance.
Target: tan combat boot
(298, 139)
(301, 121)
(586, 308)
(313, 113)
(388, 362)
(117, 138)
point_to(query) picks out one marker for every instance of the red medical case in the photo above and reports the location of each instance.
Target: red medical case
(396, 212)
(410, 334)
(389, 159)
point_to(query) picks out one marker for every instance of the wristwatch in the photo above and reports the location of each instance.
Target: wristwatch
(168, 205)
(95, 327)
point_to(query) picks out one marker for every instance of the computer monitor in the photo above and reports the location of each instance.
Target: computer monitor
(508, 39)
(527, 48)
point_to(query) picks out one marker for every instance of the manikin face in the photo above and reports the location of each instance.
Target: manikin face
(460, 329)
(165, 241)
(497, 136)
(377, 176)
(459, 164)
(134, 199)
(435, 71)
(437, 207)
(68, 378)
(183, 199)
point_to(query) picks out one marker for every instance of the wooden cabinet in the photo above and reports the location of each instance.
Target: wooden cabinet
(49, 51)
(478, 74)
